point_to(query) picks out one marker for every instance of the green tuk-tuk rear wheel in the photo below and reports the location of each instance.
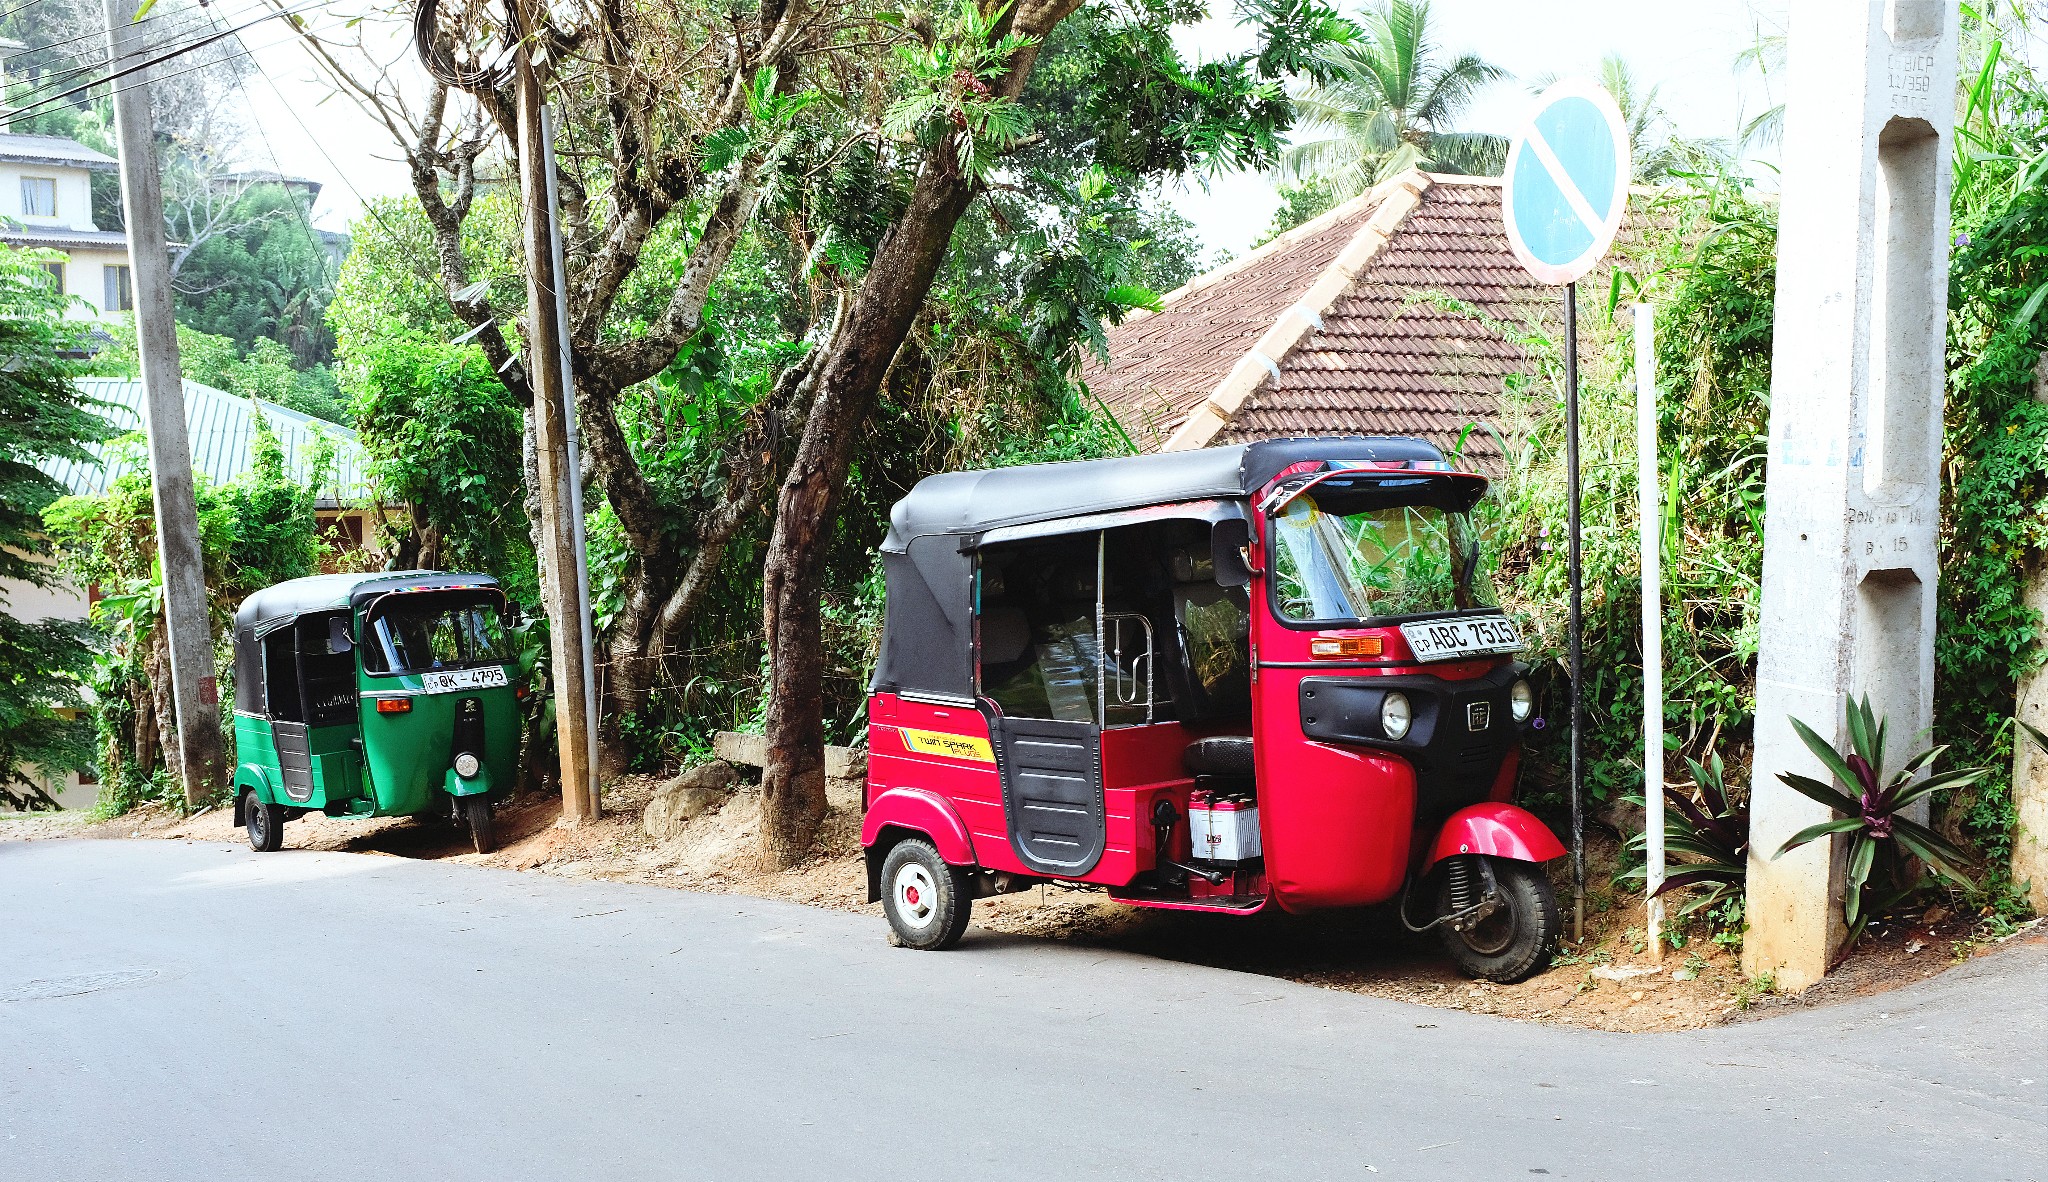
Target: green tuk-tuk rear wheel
(477, 818)
(264, 823)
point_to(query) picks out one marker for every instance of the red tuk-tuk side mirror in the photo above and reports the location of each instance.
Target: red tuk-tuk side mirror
(1231, 552)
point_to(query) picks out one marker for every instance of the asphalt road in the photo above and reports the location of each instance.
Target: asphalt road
(189, 1011)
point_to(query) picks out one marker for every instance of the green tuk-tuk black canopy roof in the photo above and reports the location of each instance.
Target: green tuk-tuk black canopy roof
(320, 592)
(928, 560)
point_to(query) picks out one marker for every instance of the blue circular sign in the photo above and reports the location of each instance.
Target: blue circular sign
(1565, 188)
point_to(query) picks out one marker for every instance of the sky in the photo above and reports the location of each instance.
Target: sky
(1687, 49)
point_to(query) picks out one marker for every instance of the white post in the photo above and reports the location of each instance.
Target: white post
(1853, 481)
(1650, 519)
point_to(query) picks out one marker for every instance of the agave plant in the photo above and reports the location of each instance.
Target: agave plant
(1712, 828)
(1874, 818)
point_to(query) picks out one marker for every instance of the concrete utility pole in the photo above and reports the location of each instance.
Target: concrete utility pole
(575, 709)
(194, 688)
(1852, 490)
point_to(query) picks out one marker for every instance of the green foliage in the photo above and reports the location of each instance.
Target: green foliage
(949, 96)
(42, 418)
(266, 278)
(1389, 102)
(1709, 267)
(1874, 817)
(267, 372)
(257, 530)
(1299, 205)
(443, 437)
(1995, 520)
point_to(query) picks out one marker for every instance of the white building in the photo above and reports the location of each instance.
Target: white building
(46, 202)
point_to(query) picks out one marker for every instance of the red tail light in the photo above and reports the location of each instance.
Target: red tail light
(394, 705)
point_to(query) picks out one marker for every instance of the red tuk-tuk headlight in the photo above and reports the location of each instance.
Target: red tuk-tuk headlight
(1521, 700)
(1396, 716)
(1337, 648)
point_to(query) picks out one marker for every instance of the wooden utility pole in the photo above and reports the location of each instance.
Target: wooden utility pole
(194, 689)
(552, 406)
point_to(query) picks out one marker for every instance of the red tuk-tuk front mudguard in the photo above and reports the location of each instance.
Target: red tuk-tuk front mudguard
(1499, 830)
(911, 811)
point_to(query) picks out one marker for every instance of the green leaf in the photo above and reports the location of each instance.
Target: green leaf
(1825, 794)
(1813, 832)
(1823, 751)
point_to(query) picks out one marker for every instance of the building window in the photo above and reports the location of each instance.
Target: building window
(56, 271)
(120, 294)
(38, 197)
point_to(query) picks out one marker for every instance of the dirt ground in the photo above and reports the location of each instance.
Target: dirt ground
(1608, 981)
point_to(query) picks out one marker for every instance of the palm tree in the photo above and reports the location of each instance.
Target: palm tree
(1389, 105)
(1656, 153)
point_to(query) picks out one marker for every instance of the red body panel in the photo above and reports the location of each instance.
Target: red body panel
(921, 812)
(1140, 764)
(970, 786)
(1501, 830)
(1334, 821)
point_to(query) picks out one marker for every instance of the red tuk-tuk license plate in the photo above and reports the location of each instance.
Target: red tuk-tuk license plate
(448, 681)
(1442, 640)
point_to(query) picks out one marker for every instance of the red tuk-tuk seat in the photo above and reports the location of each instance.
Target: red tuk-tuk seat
(1218, 755)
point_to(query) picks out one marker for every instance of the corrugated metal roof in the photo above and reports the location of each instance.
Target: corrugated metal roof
(60, 238)
(53, 149)
(221, 428)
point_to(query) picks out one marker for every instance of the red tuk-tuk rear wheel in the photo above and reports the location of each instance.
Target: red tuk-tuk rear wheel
(926, 900)
(1519, 938)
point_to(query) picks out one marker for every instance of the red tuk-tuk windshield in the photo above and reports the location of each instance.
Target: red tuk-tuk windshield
(1344, 552)
(421, 632)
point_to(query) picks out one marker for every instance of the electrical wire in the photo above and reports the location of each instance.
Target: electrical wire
(53, 100)
(439, 62)
(187, 18)
(47, 86)
(318, 146)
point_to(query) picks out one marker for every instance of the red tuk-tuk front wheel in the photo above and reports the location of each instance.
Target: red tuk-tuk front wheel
(926, 900)
(1519, 937)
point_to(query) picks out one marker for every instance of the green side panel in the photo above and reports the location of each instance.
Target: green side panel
(337, 769)
(409, 754)
(254, 747)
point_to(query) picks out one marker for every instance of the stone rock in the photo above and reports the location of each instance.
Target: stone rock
(698, 791)
(841, 763)
(1621, 972)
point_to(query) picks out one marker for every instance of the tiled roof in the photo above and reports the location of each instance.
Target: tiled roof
(220, 428)
(53, 149)
(1161, 365)
(1397, 315)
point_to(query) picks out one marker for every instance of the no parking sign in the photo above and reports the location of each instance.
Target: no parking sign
(1565, 188)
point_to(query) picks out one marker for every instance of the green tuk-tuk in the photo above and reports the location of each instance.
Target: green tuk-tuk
(378, 695)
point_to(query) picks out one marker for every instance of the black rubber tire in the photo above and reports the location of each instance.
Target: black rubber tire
(478, 819)
(928, 925)
(264, 823)
(1515, 942)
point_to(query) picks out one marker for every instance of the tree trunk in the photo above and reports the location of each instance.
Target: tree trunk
(849, 384)
(156, 665)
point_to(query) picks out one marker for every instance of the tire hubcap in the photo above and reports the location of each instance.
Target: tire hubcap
(1492, 935)
(915, 893)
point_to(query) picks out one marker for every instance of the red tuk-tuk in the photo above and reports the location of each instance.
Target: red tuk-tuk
(1219, 680)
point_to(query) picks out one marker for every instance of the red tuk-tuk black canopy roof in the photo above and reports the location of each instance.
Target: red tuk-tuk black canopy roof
(928, 559)
(972, 502)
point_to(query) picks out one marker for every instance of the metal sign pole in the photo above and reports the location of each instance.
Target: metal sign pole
(1571, 455)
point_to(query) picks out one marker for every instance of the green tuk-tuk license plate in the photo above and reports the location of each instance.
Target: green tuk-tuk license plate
(448, 681)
